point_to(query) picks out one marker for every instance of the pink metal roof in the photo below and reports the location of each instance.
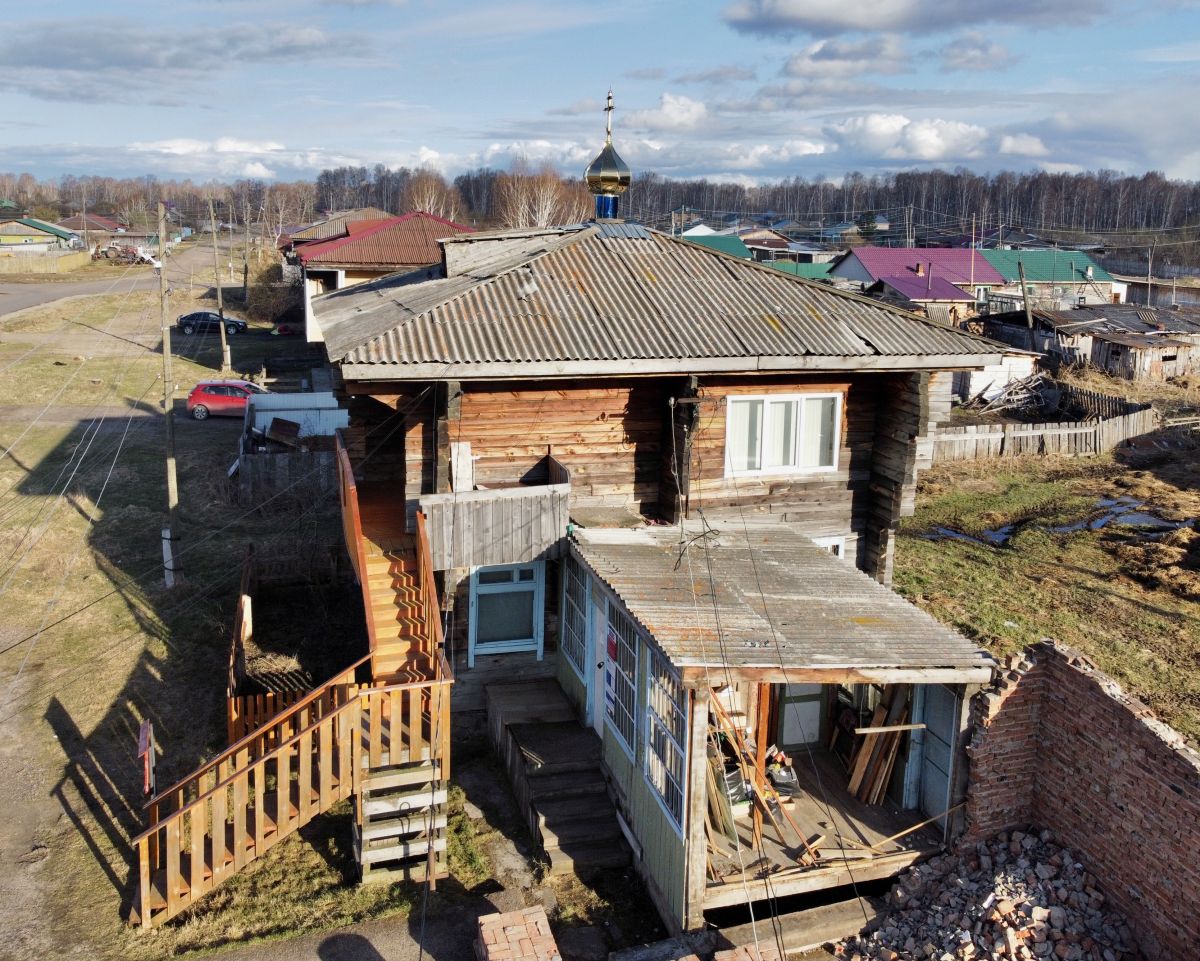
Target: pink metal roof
(949, 263)
(408, 241)
(929, 287)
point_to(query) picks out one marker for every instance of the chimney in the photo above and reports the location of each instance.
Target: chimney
(920, 269)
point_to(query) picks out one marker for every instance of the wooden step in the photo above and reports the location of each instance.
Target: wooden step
(404, 803)
(400, 851)
(381, 779)
(597, 829)
(573, 784)
(415, 871)
(577, 858)
(565, 810)
(396, 826)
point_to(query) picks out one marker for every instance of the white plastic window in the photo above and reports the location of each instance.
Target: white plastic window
(783, 433)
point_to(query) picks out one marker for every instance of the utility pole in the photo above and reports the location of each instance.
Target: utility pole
(84, 215)
(246, 261)
(1025, 297)
(168, 405)
(1149, 263)
(226, 366)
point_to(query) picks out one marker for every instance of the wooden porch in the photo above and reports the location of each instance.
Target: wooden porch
(853, 841)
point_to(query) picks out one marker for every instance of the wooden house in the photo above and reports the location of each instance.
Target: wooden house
(660, 488)
(1054, 279)
(1134, 343)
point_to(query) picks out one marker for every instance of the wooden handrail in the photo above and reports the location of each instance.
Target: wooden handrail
(351, 515)
(276, 721)
(364, 692)
(433, 618)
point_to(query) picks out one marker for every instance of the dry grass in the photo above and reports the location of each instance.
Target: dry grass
(1127, 601)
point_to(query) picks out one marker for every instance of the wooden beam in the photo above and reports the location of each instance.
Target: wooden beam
(888, 728)
(697, 808)
(694, 674)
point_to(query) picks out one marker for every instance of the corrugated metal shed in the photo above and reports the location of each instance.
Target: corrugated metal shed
(573, 301)
(758, 597)
(407, 241)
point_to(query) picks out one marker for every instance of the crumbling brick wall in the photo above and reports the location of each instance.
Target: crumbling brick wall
(1060, 745)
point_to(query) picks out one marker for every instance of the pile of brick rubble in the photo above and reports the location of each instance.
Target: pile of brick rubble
(1016, 896)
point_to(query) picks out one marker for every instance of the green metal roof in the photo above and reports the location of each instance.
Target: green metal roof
(811, 271)
(1046, 266)
(727, 245)
(6, 204)
(42, 225)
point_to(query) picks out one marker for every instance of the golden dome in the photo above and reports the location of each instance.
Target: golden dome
(608, 173)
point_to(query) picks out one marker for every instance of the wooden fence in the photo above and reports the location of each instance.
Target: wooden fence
(44, 263)
(304, 475)
(1109, 422)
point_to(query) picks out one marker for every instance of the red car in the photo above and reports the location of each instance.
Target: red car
(219, 398)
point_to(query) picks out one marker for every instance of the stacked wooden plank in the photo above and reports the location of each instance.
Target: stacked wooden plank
(875, 755)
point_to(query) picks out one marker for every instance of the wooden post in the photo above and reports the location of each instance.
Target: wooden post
(1025, 299)
(449, 413)
(169, 569)
(762, 714)
(697, 844)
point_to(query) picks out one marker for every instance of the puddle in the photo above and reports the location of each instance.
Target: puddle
(1119, 511)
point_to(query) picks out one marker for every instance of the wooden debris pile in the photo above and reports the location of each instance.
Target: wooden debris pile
(1017, 395)
(1017, 897)
(875, 753)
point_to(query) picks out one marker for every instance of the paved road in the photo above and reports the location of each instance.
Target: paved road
(14, 297)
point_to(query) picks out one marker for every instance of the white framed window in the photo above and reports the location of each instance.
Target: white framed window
(666, 736)
(620, 677)
(507, 607)
(576, 603)
(782, 433)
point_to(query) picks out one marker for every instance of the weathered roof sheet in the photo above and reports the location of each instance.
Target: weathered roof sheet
(39, 226)
(774, 598)
(571, 301)
(1046, 266)
(335, 225)
(95, 222)
(407, 241)
(1111, 318)
(950, 264)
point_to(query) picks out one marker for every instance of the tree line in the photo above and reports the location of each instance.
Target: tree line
(1122, 210)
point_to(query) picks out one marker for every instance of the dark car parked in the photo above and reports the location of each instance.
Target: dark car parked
(204, 321)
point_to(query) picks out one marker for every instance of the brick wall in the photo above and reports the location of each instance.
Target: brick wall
(1060, 745)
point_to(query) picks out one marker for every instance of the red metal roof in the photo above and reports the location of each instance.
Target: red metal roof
(91, 222)
(408, 241)
(950, 264)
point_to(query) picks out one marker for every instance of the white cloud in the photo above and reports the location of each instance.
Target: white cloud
(1023, 145)
(896, 137)
(830, 17)
(975, 52)
(259, 171)
(674, 112)
(839, 58)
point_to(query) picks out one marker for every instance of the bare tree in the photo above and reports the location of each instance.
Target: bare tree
(427, 190)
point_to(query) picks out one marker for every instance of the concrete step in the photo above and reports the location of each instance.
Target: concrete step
(582, 857)
(398, 826)
(381, 779)
(399, 851)
(403, 803)
(599, 829)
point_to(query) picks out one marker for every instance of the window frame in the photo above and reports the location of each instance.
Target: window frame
(838, 398)
(568, 604)
(635, 643)
(536, 587)
(657, 666)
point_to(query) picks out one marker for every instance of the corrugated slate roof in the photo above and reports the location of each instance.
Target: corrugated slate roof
(776, 599)
(335, 226)
(1046, 266)
(954, 265)
(40, 225)
(571, 301)
(407, 241)
(1112, 318)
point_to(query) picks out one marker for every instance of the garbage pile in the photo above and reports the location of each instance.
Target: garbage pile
(1016, 896)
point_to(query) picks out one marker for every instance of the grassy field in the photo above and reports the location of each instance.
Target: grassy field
(1129, 602)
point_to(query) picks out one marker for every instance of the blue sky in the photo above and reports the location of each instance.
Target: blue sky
(736, 89)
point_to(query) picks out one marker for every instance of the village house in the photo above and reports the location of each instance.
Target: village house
(968, 270)
(30, 235)
(1054, 279)
(368, 249)
(1134, 343)
(636, 500)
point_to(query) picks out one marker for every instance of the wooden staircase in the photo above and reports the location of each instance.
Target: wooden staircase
(377, 733)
